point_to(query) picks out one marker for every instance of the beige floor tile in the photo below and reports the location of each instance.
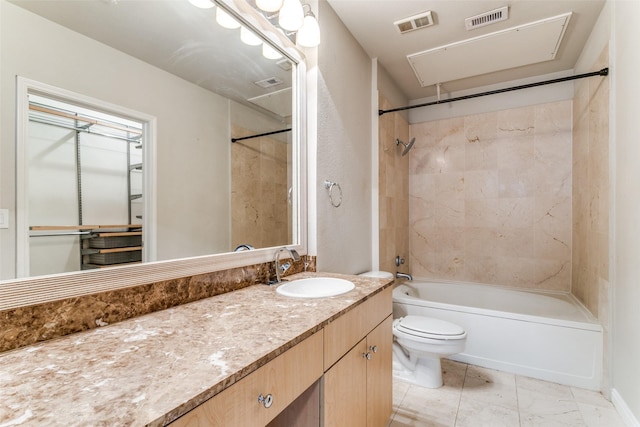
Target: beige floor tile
(474, 413)
(428, 407)
(488, 399)
(596, 410)
(489, 386)
(544, 403)
(477, 397)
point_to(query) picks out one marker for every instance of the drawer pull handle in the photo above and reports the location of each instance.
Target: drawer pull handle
(374, 348)
(366, 356)
(267, 400)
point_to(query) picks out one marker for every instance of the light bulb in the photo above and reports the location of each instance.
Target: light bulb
(248, 37)
(225, 20)
(269, 5)
(202, 4)
(270, 53)
(291, 16)
(309, 34)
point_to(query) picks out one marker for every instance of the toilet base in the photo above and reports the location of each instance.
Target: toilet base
(427, 372)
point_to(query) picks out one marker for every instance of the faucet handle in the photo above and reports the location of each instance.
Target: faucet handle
(295, 255)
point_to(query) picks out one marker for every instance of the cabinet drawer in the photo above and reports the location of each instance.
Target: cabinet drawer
(342, 334)
(284, 378)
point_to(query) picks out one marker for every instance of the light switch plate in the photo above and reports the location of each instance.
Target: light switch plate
(4, 218)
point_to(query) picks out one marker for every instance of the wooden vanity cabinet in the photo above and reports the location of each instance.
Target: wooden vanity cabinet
(354, 354)
(357, 384)
(279, 382)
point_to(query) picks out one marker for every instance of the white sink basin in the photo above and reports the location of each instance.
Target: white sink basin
(315, 287)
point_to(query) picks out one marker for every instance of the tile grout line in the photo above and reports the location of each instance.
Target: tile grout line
(466, 370)
(515, 380)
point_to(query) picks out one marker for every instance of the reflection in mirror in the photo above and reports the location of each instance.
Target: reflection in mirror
(201, 85)
(85, 188)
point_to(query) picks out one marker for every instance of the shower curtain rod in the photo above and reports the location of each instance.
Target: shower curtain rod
(259, 135)
(602, 72)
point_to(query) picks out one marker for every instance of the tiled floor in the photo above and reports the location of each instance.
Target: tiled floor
(474, 396)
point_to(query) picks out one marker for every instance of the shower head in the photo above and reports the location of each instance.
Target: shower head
(407, 147)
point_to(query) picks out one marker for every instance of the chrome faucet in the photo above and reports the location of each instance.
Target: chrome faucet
(280, 269)
(404, 275)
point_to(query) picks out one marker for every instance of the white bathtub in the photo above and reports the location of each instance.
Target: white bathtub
(549, 336)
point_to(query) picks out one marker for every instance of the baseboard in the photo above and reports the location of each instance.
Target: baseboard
(621, 406)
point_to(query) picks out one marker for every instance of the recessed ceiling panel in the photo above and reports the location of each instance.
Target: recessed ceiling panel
(277, 102)
(526, 44)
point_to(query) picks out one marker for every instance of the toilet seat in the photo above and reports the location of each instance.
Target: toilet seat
(427, 327)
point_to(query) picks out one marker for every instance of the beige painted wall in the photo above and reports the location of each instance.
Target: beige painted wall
(625, 109)
(343, 153)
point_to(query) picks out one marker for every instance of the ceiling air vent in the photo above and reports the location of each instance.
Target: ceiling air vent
(270, 82)
(487, 18)
(424, 19)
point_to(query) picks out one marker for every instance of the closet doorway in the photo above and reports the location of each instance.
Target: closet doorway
(85, 185)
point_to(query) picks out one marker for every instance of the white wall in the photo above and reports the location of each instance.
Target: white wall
(196, 163)
(343, 148)
(625, 106)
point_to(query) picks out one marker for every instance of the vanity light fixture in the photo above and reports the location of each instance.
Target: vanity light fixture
(248, 37)
(270, 53)
(309, 34)
(202, 4)
(225, 20)
(292, 20)
(269, 5)
(291, 15)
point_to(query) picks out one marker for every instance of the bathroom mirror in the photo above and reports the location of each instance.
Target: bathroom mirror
(200, 86)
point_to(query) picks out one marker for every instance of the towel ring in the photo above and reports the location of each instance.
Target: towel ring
(329, 186)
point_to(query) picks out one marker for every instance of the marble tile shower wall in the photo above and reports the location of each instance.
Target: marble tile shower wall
(261, 214)
(393, 190)
(490, 198)
(590, 277)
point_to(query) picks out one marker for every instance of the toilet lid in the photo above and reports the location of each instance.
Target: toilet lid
(428, 327)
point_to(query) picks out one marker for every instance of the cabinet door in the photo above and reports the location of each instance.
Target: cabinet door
(282, 380)
(345, 400)
(351, 327)
(379, 375)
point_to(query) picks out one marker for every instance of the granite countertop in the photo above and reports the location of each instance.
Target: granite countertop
(152, 369)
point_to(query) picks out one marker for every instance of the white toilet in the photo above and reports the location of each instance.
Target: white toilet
(419, 343)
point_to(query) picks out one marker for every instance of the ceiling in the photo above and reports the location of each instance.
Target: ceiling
(180, 39)
(372, 24)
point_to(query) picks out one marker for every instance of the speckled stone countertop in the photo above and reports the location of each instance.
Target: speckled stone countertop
(152, 369)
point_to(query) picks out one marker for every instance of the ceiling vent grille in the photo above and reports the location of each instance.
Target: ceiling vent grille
(270, 82)
(424, 19)
(496, 15)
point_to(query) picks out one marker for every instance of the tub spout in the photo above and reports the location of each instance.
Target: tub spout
(404, 275)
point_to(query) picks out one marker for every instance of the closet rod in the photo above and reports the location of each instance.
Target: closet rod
(259, 135)
(86, 130)
(603, 72)
(70, 233)
(86, 119)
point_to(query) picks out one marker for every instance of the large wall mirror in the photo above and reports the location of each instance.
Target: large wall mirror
(142, 140)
